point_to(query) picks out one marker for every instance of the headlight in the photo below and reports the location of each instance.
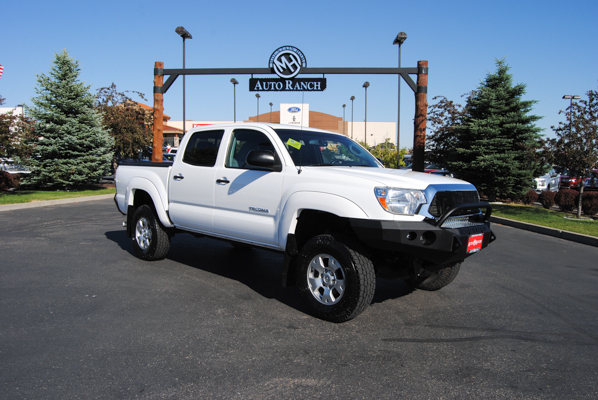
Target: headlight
(400, 201)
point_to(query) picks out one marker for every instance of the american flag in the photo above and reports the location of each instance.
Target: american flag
(1, 70)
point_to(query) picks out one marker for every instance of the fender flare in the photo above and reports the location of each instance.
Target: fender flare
(157, 197)
(326, 202)
(295, 204)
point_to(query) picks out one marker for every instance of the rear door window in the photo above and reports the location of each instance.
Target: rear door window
(202, 148)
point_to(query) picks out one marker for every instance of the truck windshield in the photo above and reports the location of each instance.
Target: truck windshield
(311, 148)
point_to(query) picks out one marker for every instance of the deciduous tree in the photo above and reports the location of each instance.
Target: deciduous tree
(129, 124)
(15, 134)
(443, 117)
(576, 144)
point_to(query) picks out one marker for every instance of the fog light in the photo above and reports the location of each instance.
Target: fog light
(428, 238)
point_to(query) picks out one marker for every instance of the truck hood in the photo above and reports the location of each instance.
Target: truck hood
(403, 178)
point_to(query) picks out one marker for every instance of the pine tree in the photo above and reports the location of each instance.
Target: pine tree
(71, 146)
(497, 143)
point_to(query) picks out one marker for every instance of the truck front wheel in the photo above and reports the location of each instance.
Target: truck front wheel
(150, 240)
(335, 278)
(435, 280)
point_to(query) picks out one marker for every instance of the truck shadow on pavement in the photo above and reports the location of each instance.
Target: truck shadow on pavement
(258, 269)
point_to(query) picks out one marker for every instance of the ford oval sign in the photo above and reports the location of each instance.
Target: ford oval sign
(294, 109)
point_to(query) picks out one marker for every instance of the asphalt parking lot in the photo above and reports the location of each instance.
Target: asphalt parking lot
(81, 317)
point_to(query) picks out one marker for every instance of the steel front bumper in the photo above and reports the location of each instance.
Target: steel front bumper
(432, 240)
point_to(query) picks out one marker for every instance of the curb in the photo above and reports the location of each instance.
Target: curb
(566, 235)
(46, 203)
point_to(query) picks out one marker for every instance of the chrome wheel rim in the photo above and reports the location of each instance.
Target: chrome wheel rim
(326, 279)
(143, 233)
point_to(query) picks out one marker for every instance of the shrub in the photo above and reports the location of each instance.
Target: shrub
(566, 199)
(547, 199)
(6, 181)
(589, 203)
(530, 197)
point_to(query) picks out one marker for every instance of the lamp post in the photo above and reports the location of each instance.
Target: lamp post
(571, 98)
(185, 35)
(401, 37)
(257, 95)
(235, 83)
(366, 84)
(271, 111)
(352, 98)
(344, 105)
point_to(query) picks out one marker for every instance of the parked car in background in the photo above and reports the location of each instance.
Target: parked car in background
(442, 172)
(567, 179)
(549, 181)
(591, 184)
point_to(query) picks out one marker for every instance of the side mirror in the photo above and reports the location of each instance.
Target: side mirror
(263, 159)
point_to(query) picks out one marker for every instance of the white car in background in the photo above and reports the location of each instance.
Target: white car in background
(549, 181)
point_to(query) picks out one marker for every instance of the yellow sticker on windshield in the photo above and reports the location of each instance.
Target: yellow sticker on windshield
(294, 143)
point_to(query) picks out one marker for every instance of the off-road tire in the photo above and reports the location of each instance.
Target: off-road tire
(335, 277)
(435, 280)
(151, 240)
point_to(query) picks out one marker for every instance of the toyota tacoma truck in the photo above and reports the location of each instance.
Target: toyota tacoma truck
(339, 217)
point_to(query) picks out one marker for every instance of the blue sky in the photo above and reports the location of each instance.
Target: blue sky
(549, 45)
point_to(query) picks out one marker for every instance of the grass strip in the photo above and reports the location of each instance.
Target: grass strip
(26, 196)
(547, 218)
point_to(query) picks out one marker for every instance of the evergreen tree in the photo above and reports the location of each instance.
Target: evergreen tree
(497, 142)
(72, 147)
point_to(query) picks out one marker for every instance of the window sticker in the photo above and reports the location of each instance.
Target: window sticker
(294, 143)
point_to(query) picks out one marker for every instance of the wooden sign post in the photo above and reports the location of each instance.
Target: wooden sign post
(421, 115)
(158, 113)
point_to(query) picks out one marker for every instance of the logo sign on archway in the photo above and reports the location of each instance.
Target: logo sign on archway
(287, 62)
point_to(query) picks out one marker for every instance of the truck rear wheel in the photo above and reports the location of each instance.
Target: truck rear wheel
(151, 241)
(435, 280)
(335, 278)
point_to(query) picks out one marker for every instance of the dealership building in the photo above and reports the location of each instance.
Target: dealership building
(300, 115)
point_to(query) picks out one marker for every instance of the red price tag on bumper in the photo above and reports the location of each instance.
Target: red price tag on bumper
(475, 243)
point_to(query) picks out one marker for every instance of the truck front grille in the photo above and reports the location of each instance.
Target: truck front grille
(444, 201)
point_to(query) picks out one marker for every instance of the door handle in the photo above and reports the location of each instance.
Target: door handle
(178, 177)
(222, 181)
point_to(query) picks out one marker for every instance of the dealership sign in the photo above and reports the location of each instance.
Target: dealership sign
(287, 85)
(287, 62)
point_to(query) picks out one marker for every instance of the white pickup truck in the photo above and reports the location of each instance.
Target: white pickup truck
(336, 213)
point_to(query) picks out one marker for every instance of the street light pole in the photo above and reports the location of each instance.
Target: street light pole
(271, 111)
(401, 37)
(185, 35)
(257, 95)
(352, 98)
(366, 84)
(571, 98)
(344, 105)
(235, 83)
